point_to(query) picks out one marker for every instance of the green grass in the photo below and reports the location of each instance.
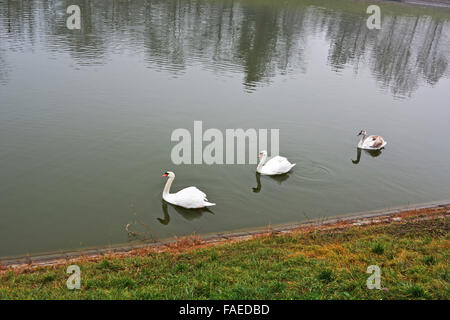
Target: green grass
(378, 248)
(413, 257)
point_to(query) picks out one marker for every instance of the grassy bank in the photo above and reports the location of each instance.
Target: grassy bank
(412, 252)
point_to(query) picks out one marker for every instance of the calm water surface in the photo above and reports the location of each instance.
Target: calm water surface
(86, 116)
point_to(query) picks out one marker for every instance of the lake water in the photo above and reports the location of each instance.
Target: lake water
(86, 115)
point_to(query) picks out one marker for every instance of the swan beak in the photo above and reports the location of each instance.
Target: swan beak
(165, 175)
(259, 155)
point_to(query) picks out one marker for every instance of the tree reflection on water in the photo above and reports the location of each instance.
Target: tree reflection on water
(258, 39)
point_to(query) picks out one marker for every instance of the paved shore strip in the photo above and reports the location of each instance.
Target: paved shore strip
(428, 3)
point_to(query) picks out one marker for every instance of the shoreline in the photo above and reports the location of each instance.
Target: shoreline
(425, 3)
(329, 262)
(384, 216)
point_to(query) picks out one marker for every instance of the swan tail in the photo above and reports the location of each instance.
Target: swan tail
(209, 204)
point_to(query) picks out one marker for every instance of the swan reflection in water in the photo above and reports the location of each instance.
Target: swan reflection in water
(279, 178)
(372, 153)
(188, 214)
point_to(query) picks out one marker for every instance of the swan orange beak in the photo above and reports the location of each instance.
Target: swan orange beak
(165, 175)
(259, 155)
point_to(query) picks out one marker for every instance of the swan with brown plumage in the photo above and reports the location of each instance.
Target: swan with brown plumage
(371, 142)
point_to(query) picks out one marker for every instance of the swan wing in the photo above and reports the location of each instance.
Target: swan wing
(377, 143)
(373, 142)
(275, 161)
(192, 191)
(190, 197)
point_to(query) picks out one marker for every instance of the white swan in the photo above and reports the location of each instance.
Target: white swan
(276, 165)
(190, 198)
(371, 142)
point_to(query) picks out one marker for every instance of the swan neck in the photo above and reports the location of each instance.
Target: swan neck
(363, 137)
(168, 185)
(261, 163)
